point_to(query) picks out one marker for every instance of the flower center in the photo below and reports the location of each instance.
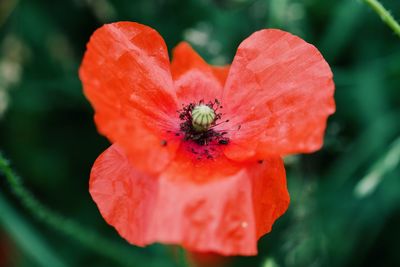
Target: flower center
(202, 117)
(198, 124)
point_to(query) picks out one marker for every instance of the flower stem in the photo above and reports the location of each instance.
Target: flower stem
(384, 14)
(119, 253)
(387, 163)
(27, 238)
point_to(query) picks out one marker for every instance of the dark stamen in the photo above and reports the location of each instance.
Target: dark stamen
(163, 142)
(209, 136)
(224, 141)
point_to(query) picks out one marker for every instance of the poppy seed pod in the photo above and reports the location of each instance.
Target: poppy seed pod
(202, 117)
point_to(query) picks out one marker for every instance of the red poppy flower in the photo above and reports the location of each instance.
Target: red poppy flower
(196, 154)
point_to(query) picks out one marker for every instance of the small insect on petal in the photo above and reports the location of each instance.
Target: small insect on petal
(163, 142)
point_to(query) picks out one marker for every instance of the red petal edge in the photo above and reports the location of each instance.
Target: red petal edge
(225, 213)
(278, 95)
(194, 79)
(126, 77)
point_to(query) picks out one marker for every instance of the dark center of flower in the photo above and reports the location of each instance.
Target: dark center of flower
(198, 122)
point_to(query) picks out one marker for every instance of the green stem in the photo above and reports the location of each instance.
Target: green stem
(384, 14)
(385, 164)
(27, 238)
(117, 252)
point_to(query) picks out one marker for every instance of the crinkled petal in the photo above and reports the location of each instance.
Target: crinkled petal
(124, 195)
(221, 72)
(204, 205)
(150, 149)
(194, 79)
(278, 95)
(126, 77)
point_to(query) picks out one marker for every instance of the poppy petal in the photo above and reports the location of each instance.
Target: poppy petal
(206, 206)
(194, 79)
(149, 150)
(278, 95)
(126, 76)
(221, 72)
(124, 195)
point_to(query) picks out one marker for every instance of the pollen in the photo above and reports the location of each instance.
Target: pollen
(202, 117)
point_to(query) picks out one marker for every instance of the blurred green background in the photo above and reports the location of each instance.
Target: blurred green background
(345, 208)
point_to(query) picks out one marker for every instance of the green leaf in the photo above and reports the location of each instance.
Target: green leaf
(26, 237)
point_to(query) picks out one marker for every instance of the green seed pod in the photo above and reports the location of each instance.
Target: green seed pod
(202, 117)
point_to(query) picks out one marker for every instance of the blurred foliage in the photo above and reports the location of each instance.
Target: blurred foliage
(345, 207)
